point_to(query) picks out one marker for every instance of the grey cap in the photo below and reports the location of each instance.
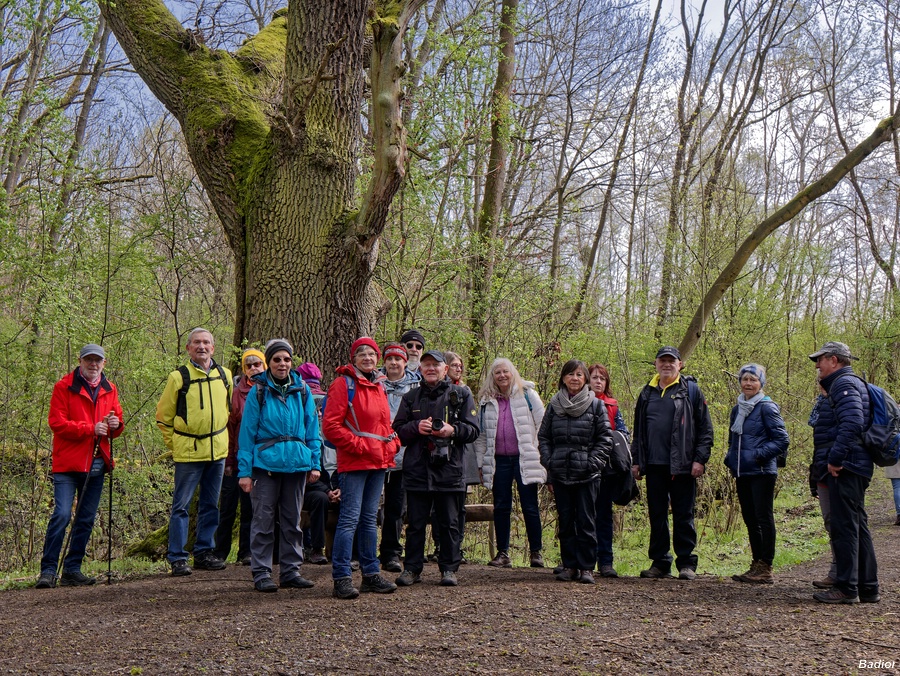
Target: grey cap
(669, 351)
(835, 348)
(92, 348)
(437, 355)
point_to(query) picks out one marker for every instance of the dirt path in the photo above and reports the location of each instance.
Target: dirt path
(497, 621)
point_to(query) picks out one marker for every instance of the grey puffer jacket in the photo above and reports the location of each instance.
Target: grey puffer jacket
(527, 413)
(575, 450)
(395, 390)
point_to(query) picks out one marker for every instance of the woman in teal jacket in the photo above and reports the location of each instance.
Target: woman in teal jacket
(279, 451)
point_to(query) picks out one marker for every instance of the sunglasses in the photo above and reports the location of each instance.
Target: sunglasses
(415, 346)
(251, 364)
(279, 360)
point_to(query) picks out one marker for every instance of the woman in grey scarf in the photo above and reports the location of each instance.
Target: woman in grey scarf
(756, 439)
(575, 441)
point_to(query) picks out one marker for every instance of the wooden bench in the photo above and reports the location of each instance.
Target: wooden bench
(474, 514)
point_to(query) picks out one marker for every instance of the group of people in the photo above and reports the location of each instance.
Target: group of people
(272, 439)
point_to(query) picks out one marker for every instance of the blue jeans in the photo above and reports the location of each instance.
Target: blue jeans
(360, 493)
(188, 475)
(506, 471)
(65, 486)
(896, 484)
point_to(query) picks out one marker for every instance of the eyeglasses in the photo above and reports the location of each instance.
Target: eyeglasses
(455, 366)
(415, 346)
(279, 360)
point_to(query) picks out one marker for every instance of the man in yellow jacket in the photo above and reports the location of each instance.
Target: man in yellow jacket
(192, 415)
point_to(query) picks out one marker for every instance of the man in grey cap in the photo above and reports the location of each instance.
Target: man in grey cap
(673, 437)
(841, 461)
(84, 415)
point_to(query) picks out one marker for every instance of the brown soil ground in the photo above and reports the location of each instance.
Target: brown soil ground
(496, 621)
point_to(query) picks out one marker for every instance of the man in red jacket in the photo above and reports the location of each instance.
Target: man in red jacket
(84, 415)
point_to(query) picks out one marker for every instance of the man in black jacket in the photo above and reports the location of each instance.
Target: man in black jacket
(673, 437)
(435, 421)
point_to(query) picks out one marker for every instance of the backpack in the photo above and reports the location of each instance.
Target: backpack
(186, 382)
(881, 438)
(354, 426)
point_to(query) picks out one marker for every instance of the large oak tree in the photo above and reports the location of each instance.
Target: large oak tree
(276, 134)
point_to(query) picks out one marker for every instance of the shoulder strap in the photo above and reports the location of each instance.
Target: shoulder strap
(527, 399)
(181, 401)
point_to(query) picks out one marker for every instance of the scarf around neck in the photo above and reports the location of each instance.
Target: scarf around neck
(745, 406)
(573, 407)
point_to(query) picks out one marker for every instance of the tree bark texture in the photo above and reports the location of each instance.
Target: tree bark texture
(274, 133)
(882, 134)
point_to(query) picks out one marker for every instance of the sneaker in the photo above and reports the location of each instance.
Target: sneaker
(569, 575)
(376, 584)
(344, 589)
(266, 585)
(298, 582)
(433, 557)
(76, 579)
(501, 560)
(536, 560)
(244, 560)
(586, 577)
(870, 598)
(608, 571)
(826, 582)
(208, 561)
(560, 568)
(47, 580)
(834, 595)
(180, 568)
(392, 565)
(408, 578)
(655, 573)
(317, 558)
(448, 579)
(687, 574)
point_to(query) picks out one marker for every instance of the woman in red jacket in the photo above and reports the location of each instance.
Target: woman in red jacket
(357, 420)
(84, 415)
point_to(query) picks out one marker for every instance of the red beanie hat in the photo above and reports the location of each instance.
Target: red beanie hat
(365, 340)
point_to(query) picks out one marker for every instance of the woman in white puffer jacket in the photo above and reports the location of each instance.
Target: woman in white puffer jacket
(507, 451)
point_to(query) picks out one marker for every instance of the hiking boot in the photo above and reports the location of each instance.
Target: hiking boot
(376, 585)
(826, 582)
(180, 568)
(834, 595)
(586, 577)
(208, 561)
(298, 582)
(655, 573)
(392, 565)
(687, 574)
(569, 575)
(344, 589)
(501, 560)
(742, 577)
(448, 579)
(762, 575)
(408, 578)
(608, 571)
(897, 520)
(47, 580)
(244, 560)
(76, 579)
(266, 585)
(433, 557)
(462, 558)
(317, 558)
(870, 598)
(558, 569)
(536, 560)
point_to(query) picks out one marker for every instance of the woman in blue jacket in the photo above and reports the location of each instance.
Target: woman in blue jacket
(279, 450)
(755, 440)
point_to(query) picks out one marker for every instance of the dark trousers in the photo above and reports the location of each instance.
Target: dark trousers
(446, 506)
(681, 491)
(230, 496)
(315, 504)
(506, 473)
(392, 527)
(857, 571)
(576, 505)
(757, 497)
(604, 525)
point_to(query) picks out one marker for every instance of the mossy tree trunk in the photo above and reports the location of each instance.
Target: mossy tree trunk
(274, 132)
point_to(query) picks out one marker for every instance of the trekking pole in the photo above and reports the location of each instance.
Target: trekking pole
(109, 524)
(74, 519)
